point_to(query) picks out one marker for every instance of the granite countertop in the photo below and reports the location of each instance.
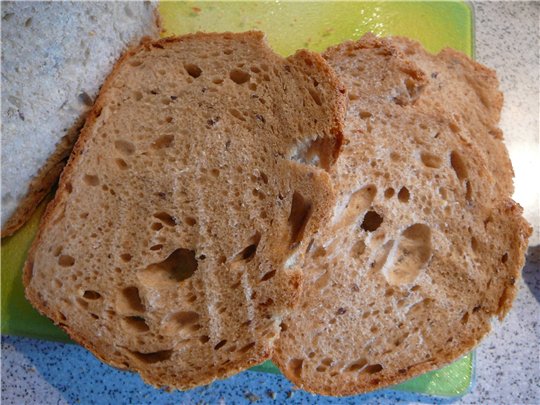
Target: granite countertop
(507, 361)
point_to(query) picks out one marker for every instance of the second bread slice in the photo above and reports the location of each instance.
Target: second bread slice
(173, 245)
(424, 248)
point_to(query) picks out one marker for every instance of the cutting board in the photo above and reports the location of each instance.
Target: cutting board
(289, 26)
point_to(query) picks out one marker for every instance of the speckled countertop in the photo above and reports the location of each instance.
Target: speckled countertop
(507, 362)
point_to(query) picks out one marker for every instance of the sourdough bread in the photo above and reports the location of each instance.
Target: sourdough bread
(424, 246)
(55, 56)
(174, 243)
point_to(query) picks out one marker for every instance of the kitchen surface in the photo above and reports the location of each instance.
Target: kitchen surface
(507, 362)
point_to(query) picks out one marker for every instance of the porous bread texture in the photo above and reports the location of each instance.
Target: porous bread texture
(174, 243)
(468, 93)
(423, 248)
(55, 56)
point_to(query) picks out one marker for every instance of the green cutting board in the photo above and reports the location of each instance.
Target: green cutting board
(289, 25)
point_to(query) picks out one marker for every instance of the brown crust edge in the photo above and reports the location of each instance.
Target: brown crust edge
(43, 182)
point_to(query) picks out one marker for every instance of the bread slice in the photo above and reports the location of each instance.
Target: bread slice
(174, 243)
(55, 56)
(423, 248)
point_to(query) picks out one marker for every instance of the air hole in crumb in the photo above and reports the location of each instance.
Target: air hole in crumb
(130, 300)
(389, 192)
(217, 81)
(66, 261)
(152, 358)
(156, 247)
(295, 366)
(372, 369)
(166, 218)
(121, 163)
(298, 218)
(313, 152)
(247, 347)
(135, 324)
(220, 345)
(91, 180)
(126, 257)
(315, 96)
(58, 251)
(253, 86)
(468, 190)
(248, 252)
(475, 244)
(458, 164)
(156, 226)
(183, 320)
(91, 295)
(404, 195)
(431, 160)
(365, 114)
(239, 76)
(357, 365)
(193, 70)
(164, 141)
(237, 114)
(125, 147)
(190, 221)
(327, 361)
(504, 258)
(465, 318)
(137, 95)
(178, 266)
(358, 249)
(358, 203)
(409, 256)
(371, 221)
(204, 339)
(268, 275)
(82, 303)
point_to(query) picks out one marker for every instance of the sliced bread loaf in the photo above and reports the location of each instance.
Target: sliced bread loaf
(55, 56)
(174, 243)
(424, 247)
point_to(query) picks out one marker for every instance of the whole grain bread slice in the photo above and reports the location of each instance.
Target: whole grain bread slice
(55, 56)
(423, 249)
(174, 243)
